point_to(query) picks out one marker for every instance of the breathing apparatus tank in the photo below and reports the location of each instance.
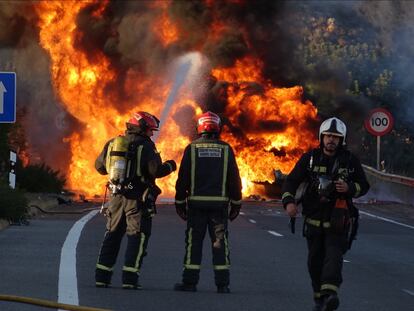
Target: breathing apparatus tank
(118, 164)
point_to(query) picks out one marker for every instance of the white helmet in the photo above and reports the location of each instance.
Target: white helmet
(333, 126)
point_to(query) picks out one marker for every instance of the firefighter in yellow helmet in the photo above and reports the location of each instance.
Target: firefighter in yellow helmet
(334, 176)
(133, 164)
(208, 182)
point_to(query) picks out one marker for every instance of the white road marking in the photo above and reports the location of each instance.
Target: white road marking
(68, 283)
(409, 292)
(242, 213)
(274, 233)
(252, 221)
(387, 220)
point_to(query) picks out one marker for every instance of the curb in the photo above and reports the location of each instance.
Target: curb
(43, 200)
(3, 224)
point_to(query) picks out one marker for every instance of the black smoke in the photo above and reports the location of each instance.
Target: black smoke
(288, 36)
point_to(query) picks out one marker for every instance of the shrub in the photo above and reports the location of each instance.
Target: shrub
(40, 178)
(13, 203)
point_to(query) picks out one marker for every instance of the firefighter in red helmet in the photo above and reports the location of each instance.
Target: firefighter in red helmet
(133, 164)
(208, 182)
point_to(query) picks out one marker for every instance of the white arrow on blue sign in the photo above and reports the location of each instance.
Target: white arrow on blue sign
(7, 97)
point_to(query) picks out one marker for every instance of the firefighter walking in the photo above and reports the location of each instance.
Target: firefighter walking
(208, 182)
(334, 176)
(133, 164)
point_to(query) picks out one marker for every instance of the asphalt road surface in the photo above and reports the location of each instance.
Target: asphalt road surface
(268, 269)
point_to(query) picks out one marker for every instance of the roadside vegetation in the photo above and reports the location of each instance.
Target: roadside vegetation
(31, 178)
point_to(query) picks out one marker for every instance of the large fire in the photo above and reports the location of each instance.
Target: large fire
(81, 84)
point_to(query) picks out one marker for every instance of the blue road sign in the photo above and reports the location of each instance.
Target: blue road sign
(7, 97)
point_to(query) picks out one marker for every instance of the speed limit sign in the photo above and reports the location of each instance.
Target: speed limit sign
(379, 122)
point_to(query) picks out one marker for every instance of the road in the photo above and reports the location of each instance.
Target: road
(268, 265)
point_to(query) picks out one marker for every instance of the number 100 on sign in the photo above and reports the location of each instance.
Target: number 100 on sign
(379, 122)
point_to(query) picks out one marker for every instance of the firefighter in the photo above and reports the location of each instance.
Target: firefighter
(132, 204)
(333, 176)
(208, 182)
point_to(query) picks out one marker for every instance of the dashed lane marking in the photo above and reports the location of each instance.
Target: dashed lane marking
(252, 221)
(68, 283)
(387, 220)
(409, 292)
(274, 233)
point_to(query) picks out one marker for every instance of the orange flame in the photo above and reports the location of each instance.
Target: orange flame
(278, 105)
(166, 30)
(80, 83)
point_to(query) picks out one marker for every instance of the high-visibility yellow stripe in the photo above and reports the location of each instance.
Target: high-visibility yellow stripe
(141, 251)
(101, 284)
(317, 295)
(313, 222)
(317, 223)
(221, 267)
(329, 287)
(238, 202)
(190, 244)
(192, 267)
(193, 162)
(207, 198)
(108, 158)
(129, 269)
(358, 189)
(226, 250)
(320, 169)
(287, 194)
(102, 267)
(180, 201)
(326, 224)
(139, 156)
(225, 168)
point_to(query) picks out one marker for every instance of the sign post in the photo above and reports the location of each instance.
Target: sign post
(379, 122)
(7, 97)
(12, 173)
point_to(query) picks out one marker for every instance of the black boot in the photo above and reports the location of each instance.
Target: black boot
(185, 287)
(102, 284)
(223, 289)
(318, 304)
(330, 302)
(132, 286)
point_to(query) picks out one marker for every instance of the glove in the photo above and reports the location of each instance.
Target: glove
(172, 165)
(234, 211)
(181, 210)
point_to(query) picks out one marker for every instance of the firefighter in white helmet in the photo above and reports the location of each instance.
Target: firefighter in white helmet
(133, 164)
(334, 176)
(208, 184)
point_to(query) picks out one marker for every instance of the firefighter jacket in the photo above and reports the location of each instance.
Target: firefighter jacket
(313, 166)
(147, 165)
(208, 176)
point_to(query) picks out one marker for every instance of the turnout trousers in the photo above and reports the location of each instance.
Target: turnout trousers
(124, 216)
(198, 222)
(325, 258)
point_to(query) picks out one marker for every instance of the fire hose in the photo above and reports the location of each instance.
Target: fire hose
(48, 303)
(63, 212)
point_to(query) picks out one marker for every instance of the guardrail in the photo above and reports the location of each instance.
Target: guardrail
(389, 187)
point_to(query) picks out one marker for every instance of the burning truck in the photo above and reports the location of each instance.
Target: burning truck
(99, 83)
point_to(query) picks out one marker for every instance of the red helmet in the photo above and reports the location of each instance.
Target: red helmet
(145, 121)
(208, 122)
